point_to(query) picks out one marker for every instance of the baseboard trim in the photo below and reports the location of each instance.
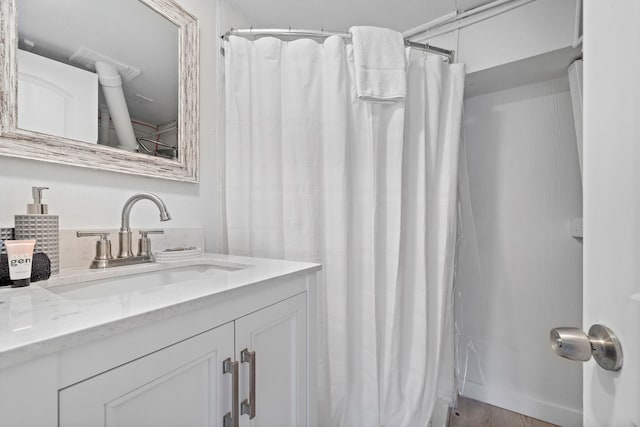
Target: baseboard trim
(516, 402)
(440, 414)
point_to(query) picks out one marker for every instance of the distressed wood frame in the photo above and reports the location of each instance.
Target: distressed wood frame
(15, 142)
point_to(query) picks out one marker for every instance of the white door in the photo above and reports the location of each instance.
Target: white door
(611, 184)
(181, 385)
(275, 343)
(56, 98)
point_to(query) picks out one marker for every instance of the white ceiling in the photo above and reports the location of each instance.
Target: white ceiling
(339, 15)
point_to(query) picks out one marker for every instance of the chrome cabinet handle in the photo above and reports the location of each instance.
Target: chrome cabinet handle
(231, 418)
(249, 405)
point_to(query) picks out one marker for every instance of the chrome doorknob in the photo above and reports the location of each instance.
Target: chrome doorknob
(601, 343)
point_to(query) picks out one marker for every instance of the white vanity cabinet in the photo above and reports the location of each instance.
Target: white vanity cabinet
(166, 367)
(181, 385)
(184, 384)
(277, 338)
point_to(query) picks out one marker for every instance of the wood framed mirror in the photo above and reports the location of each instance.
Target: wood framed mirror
(147, 155)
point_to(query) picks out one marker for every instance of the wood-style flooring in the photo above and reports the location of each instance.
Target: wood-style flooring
(471, 413)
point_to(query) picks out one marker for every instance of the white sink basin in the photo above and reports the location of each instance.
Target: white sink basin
(95, 285)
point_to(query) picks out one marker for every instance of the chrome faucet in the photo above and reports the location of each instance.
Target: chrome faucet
(103, 257)
(125, 230)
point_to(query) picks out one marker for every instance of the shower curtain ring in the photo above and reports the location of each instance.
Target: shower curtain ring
(253, 36)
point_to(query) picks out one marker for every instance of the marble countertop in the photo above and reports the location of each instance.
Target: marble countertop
(53, 315)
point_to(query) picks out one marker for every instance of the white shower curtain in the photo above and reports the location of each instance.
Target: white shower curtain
(366, 189)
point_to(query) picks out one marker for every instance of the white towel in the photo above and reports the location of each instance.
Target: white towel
(380, 64)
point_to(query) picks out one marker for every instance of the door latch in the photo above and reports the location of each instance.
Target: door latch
(601, 343)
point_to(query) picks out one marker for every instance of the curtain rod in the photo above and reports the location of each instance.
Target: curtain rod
(449, 54)
(460, 19)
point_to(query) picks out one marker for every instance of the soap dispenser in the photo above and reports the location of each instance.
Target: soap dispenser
(40, 225)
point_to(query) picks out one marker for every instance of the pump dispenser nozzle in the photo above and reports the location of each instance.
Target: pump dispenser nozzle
(37, 207)
(40, 225)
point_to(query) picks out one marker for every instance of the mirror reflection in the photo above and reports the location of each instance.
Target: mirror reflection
(101, 72)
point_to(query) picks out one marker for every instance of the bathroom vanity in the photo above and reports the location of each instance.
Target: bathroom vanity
(216, 341)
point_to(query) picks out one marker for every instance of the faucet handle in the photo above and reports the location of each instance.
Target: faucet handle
(145, 233)
(103, 246)
(144, 243)
(104, 235)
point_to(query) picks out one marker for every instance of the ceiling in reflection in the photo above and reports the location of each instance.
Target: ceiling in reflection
(126, 31)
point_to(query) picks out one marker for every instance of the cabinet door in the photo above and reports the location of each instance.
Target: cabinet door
(278, 336)
(181, 385)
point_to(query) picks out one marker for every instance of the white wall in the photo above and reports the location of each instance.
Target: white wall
(536, 28)
(519, 270)
(533, 29)
(86, 198)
